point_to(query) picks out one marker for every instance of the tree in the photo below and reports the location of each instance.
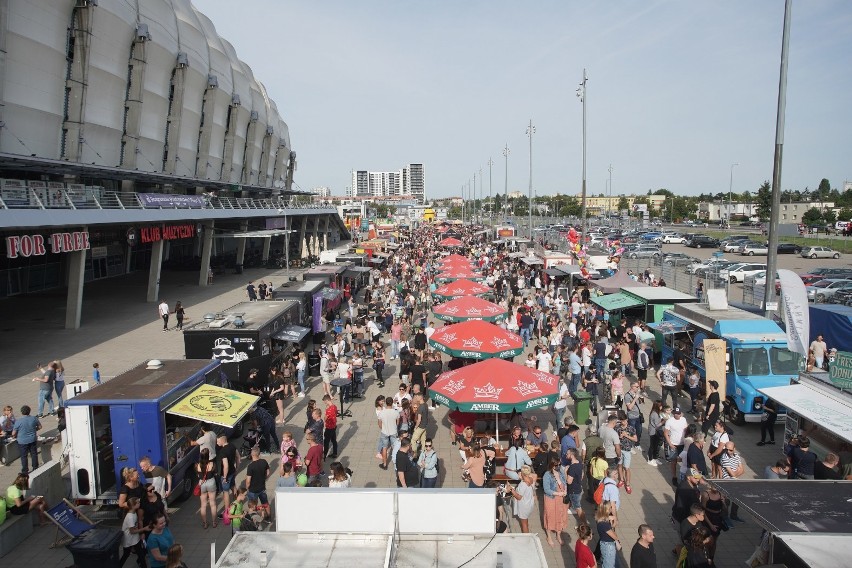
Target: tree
(764, 201)
(570, 207)
(824, 190)
(845, 214)
(455, 212)
(812, 216)
(829, 216)
(384, 211)
(623, 204)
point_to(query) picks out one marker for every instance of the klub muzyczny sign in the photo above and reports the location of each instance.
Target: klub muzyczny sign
(34, 245)
(166, 233)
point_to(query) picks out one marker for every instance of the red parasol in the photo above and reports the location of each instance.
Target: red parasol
(450, 242)
(461, 288)
(469, 308)
(476, 339)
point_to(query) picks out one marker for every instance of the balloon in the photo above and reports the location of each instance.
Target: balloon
(302, 480)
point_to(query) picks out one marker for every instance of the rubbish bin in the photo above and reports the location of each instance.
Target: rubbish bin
(582, 405)
(313, 364)
(96, 548)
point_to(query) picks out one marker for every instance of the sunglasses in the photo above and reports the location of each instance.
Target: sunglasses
(428, 445)
(150, 491)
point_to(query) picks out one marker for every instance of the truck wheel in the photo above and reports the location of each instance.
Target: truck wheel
(733, 279)
(735, 416)
(698, 245)
(186, 487)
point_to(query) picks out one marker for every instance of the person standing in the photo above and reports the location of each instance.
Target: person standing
(251, 292)
(256, 474)
(206, 471)
(180, 313)
(131, 541)
(163, 310)
(673, 433)
(407, 472)
(818, 348)
(59, 382)
(627, 440)
(555, 488)
(96, 373)
(642, 555)
(712, 407)
(669, 377)
(46, 381)
(583, 556)
(229, 462)
(329, 437)
(25, 431)
(611, 441)
(632, 399)
(609, 542)
(157, 476)
(313, 459)
(767, 423)
(158, 543)
(301, 373)
(428, 464)
(524, 495)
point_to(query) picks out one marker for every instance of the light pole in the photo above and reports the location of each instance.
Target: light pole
(581, 94)
(506, 153)
(609, 201)
(490, 200)
(730, 193)
(530, 132)
(479, 208)
(472, 196)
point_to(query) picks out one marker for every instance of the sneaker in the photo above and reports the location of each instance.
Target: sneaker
(761, 443)
(378, 456)
(654, 462)
(628, 489)
(301, 395)
(771, 443)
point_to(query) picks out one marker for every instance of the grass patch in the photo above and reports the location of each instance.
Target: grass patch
(839, 243)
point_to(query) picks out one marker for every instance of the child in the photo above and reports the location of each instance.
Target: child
(131, 541)
(288, 477)
(236, 510)
(7, 421)
(96, 373)
(287, 442)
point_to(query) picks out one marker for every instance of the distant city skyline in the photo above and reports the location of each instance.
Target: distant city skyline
(677, 91)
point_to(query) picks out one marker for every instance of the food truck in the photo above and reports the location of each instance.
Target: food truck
(331, 274)
(302, 292)
(155, 409)
(242, 337)
(755, 352)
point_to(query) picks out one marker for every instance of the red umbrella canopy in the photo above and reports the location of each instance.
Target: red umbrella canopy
(458, 274)
(469, 308)
(461, 288)
(450, 242)
(476, 339)
(495, 385)
(455, 258)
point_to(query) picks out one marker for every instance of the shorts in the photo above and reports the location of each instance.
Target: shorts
(20, 509)
(326, 377)
(576, 499)
(229, 482)
(209, 485)
(386, 441)
(625, 459)
(612, 462)
(643, 374)
(260, 497)
(672, 455)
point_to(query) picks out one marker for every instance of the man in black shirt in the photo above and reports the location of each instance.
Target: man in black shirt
(256, 474)
(574, 477)
(686, 495)
(228, 461)
(420, 342)
(643, 555)
(407, 472)
(695, 454)
(417, 373)
(827, 468)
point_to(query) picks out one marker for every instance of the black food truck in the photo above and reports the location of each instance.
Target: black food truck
(243, 336)
(303, 293)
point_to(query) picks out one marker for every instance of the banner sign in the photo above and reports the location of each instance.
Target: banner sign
(796, 312)
(715, 364)
(166, 233)
(840, 370)
(34, 245)
(171, 201)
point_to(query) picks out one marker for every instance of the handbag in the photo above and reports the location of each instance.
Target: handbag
(197, 489)
(641, 418)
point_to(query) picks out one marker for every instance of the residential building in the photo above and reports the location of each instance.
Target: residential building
(597, 206)
(408, 181)
(789, 213)
(321, 191)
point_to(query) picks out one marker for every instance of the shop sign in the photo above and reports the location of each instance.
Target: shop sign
(840, 370)
(166, 233)
(34, 245)
(171, 201)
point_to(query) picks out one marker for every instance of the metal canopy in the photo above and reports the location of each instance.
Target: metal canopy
(257, 234)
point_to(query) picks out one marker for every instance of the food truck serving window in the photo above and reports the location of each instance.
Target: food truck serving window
(751, 361)
(784, 361)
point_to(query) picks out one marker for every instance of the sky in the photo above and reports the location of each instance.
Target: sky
(677, 91)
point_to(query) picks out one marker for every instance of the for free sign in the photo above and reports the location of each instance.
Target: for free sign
(35, 245)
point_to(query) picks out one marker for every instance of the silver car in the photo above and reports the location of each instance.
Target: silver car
(819, 252)
(644, 251)
(751, 249)
(825, 289)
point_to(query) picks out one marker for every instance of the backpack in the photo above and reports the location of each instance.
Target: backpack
(599, 493)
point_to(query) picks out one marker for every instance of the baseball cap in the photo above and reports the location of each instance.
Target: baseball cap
(677, 410)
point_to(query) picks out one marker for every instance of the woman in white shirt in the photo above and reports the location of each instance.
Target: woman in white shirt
(339, 476)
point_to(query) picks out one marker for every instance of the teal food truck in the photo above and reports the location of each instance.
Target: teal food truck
(756, 352)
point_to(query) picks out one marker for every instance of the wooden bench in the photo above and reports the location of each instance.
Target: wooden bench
(14, 530)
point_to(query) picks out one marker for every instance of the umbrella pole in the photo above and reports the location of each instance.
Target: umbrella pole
(497, 427)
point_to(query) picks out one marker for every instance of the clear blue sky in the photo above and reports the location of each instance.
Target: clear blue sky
(677, 92)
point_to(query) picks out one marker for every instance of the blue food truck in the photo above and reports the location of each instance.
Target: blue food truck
(155, 409)
(756, 352)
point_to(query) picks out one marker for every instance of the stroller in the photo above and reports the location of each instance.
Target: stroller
(251, 439)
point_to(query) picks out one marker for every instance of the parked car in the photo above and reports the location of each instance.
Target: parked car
(819, 252)
(707, 263)
(652, 237)
(704, 271)
(702, 241)
(670, 238)
(679, 259)
(732, 244)
(789, 248)
(824, 289)
(753, 248)
(842, 297)
(818, 274)
(644, 251)
(738, 272)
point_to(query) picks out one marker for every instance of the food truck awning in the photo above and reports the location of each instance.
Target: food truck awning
(618, 301)
(793, 505)
(375, 260)
(291, 332)
(531, 260)
(215, 405)
(669, 327)
(554, 272)
(811, 549)
(830, 412)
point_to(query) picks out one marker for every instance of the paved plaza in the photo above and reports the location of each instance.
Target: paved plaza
(121, 330)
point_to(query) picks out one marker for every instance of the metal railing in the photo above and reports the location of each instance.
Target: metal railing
(96, 198)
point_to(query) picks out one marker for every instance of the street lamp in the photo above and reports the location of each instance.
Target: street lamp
(479, 208)
(609, 201)
(472, 197)
(730, 193)
(490, 200)
(581, 94)
(506, 153)
(530, 132)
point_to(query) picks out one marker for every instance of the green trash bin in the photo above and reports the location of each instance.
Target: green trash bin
(582, 406)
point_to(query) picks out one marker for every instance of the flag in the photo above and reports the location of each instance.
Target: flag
(795, 310)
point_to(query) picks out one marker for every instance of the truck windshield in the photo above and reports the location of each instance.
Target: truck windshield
(751, 361)
(784, 361)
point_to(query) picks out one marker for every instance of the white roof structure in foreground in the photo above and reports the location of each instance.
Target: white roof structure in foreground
(348, 550)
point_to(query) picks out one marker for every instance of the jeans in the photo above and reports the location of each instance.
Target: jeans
(600, 366)
(560, 416)
(28, 451)
(695, 395)
(300, 376)
(329, 436)
(767, 427)
(394, 348)
(608, 554)
(637, 425)
(165, 322)
(669, 391)
(59, 386)
(525, 335)
(429, 482)
(268, 431)
(42, 396)
(574, 384)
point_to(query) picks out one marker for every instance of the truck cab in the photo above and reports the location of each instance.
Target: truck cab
(756, 353)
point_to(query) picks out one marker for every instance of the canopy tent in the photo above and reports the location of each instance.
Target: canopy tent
(532, 260)
(614, 302)
(668, 327)
(615, 283)
(215, 405)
